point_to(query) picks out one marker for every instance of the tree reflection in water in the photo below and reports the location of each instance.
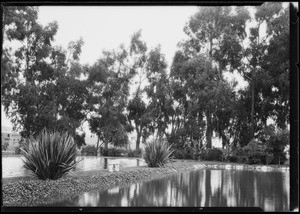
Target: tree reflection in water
(201, 188)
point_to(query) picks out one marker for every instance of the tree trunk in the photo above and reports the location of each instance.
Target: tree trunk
(252, 110)
(208, 130)
(97, 148)
(138, 138)
(106, 144)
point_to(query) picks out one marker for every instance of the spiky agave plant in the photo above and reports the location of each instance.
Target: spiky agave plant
(157, 153)
(52, 155)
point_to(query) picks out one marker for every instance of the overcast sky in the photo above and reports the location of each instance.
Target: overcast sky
(106, 27)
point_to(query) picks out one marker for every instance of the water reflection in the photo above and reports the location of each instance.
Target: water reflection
(203, 188)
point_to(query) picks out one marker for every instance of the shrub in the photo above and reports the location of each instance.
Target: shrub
(186, 153)
(112, 152)
(213, 154)
(4, 146)
(134, 153)
(157, 153)
(269, 158)
(51, 156)
(17, 150)
(23, 145)
(275, 146)
(254, 152)
(179, 154)
(237, 155)
(89, 150)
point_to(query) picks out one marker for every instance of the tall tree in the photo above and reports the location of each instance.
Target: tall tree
(19, 96)
(264, 64)
(138, 113)
(200, 87)
(258, 65)
(108, 85)
(39, 88)
(137, 107)
(159, 92)
(277, 65)
(216, 32)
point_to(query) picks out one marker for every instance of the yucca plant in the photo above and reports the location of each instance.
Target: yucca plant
(51, 155)
(157, 153)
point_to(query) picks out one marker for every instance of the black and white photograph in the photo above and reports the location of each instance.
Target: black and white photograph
(148, 106)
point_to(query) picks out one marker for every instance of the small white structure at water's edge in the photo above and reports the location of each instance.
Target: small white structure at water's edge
(239, 167)
(113, 165)
(228, 166)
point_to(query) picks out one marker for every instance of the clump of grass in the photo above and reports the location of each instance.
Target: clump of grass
(157, 153)
(51, 155)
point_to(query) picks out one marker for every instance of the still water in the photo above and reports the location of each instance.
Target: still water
(13, 166)
(199, 188)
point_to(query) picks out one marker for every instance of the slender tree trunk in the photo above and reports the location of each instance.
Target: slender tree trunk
(208, 129)
(106, 144)
(138, 138)
(97, 148)
(252, 110)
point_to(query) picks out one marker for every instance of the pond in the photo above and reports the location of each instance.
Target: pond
(198, 188)
(13, 166)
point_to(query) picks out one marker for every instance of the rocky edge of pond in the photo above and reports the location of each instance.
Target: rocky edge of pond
(33, 192)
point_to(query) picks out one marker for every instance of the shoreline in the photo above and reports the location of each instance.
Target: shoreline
(33, 192)
(196, 165)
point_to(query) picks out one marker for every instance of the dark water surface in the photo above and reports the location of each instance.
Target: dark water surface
(199, 188)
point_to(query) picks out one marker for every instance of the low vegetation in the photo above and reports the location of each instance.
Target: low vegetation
(137, 153)
(89, 150)
(51, 155)
(157, 153)
(268, 148)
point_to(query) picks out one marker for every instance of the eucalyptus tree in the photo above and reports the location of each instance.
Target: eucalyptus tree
(197, 87)
(159, 93)
(26, 67)
(137, 107)
(216, 32)
(265, 66)
(108, 85)
(276, 63)
(256, 70)
(39, 85)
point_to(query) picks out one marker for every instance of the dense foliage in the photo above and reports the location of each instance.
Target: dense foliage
(213, 154)
(254, 152)
(40, 83)
(4, 146)
(89, 150)
(275, 146)
(137, 153)
(113, 152)
(50, 155)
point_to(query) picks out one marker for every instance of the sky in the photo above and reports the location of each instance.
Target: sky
(106, 27)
